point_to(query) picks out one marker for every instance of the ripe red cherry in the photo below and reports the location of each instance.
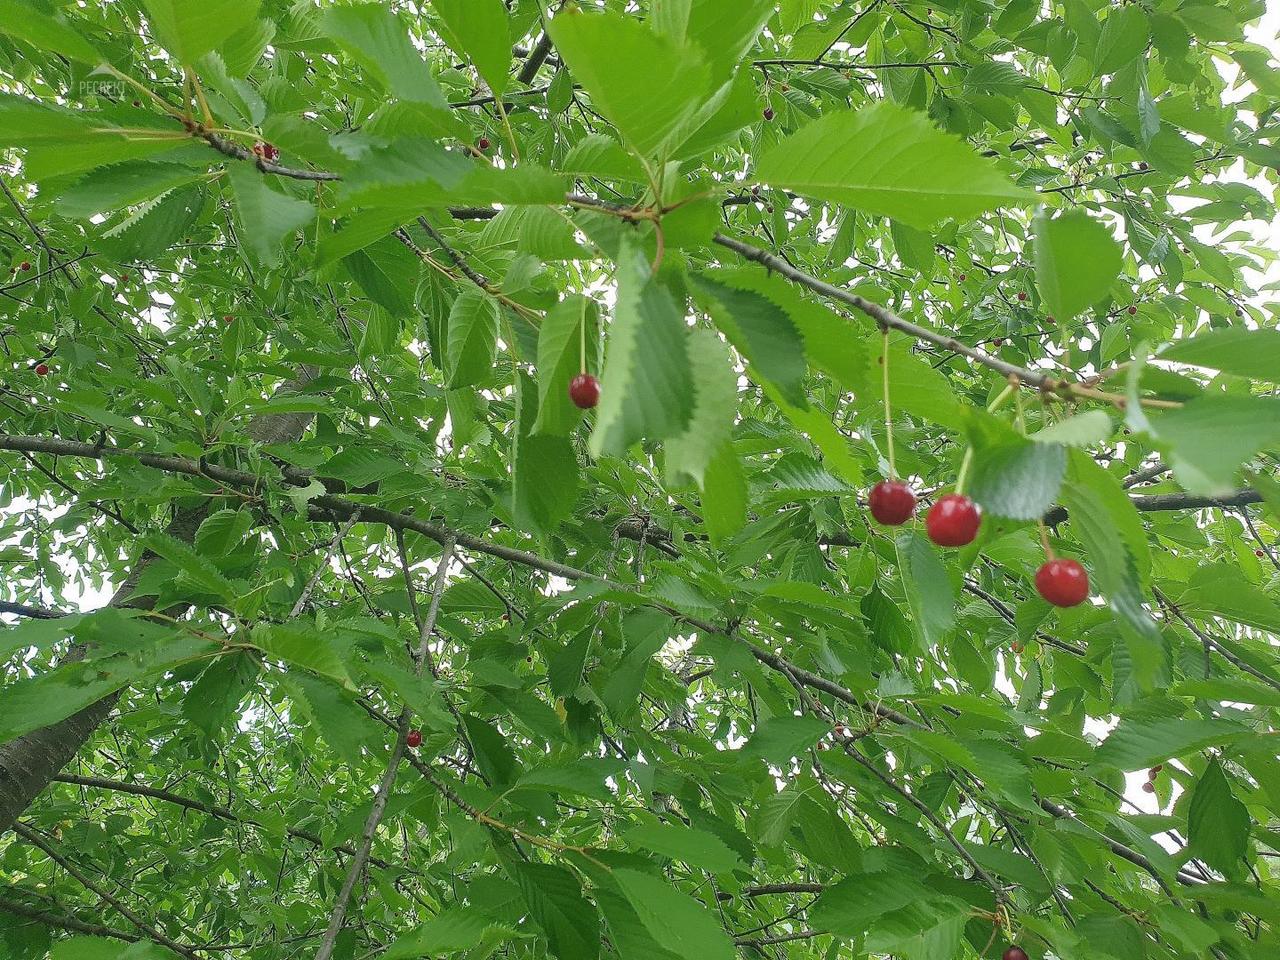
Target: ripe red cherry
(892, 502)
(998, 342)
(1014, 953)
(768, 113)
(1021, 295)
(952, 521)
(1063, 583)
(483, 143)
(963, 277)
(25, 265)
(584, 391)
(414, 738)
(42, 369)
(1142, 165)
(1133, 311)
(267, 151)
(1259, 553)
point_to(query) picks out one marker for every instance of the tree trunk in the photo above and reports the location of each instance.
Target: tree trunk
(30, 762)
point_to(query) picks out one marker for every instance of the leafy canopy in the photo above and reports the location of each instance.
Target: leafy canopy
(333, 628)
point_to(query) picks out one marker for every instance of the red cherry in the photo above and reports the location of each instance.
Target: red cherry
(1063, 583)
(1021, 295)
(483, 143)
(952, 521)
(840, 730)
(228, 318)
(1142, 165)
(1049, 320)
(137, 103)
(1148, 787)
(584, 391)
(25, 265)
(414, 738)
(267, 151)
(1133, 311)
(892, 502)
(963, 277)
(1014, 953)
(768, 113)
(998, 342)
(755, 191)
(1259, 553)
(1155, 771)
(1016, 647)
(42, 369)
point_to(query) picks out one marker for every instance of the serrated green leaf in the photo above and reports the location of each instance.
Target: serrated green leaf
(889, 160)
(677, 921)
(1076, 262)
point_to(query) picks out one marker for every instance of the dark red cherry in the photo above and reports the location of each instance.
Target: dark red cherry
(1148, 787)
(24, 265)
(1021, 296)
(1014, 953)
(1064, 583)
(483, 143)
(768, 113)
(584, 391)
(952, 521)
(42, 369)
(1133, 311)
(891, 502)
(414, 738)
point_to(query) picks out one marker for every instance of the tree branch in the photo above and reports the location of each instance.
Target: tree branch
(33, 838)
(63, 922)
(385, 786)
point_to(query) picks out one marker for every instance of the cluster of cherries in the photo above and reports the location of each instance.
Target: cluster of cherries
(953, 521)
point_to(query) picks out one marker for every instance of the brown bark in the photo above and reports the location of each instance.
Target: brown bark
(29, 763)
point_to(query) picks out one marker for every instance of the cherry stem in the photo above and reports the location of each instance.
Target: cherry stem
(967, 462)
(582, 339)
(888, 410)
(1044, 541)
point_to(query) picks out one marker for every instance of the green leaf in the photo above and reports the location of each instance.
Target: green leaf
(122, 185)
(780, 738)
(212, 700)
(1124, 38)
(556, 902)
(221, 532)
(1207, 439)
(1217, 822)
(928, 587)
(1079, 430)
(473, 332)
(191, 28)
(695, 847)
(452, 931)
(724, 495)
(373, 36)
(889, 160)
(266, 216)
(478, 29)
(1143, 741)
(677, 921)
(493, 753)
(567, 327)
(26, 22)
(762, 332)
(648, 388)
(714, 408)
(195, 566)
(302, 645)
(1077, 261)
(646, 85)
(1237, 350)
(1013, 477)
(544, 469)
